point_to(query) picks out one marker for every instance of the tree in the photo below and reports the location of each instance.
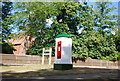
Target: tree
(117, 39)
(6, 21)
(104, 20)
(7, 48)
(6, 29)
(69, 17)
(29, 19)
(95, 41)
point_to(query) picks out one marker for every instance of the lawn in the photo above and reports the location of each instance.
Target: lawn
(45, 70)
(24, 68)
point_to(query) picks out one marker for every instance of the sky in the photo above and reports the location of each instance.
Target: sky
(115, 4)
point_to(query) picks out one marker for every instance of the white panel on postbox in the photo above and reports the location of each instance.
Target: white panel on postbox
(65, 56)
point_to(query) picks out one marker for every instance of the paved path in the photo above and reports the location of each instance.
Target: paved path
(113, 67)
(80, 76)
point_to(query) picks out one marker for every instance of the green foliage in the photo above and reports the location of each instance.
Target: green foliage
(7, 48)
(103, 18)
(117, 39)
(6, 21)
(95, 40)
(6, 8)
(6, 28)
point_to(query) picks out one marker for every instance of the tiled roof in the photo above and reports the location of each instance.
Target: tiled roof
(16, 41)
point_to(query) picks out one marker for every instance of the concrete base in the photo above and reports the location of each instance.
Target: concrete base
(63, 66)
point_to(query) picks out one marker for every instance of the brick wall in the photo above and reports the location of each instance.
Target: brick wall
(32, 59)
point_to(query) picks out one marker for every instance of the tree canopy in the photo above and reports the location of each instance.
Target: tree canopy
(6, 21)
(95, 40)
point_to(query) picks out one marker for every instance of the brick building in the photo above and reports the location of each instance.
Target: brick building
(21, 44)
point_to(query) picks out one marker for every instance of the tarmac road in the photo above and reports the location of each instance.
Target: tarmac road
(67, 77)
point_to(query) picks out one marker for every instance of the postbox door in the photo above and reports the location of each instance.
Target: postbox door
(59, 50)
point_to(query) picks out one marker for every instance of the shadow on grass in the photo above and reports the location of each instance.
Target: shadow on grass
(51, 72)
(51, 69)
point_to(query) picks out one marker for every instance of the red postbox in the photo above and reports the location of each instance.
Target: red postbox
(63, 52)
(59, 50)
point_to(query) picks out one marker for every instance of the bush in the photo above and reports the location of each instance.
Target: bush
(7, 48)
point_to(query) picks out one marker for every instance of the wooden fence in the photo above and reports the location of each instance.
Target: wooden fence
(12, 59)
(32, 59)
